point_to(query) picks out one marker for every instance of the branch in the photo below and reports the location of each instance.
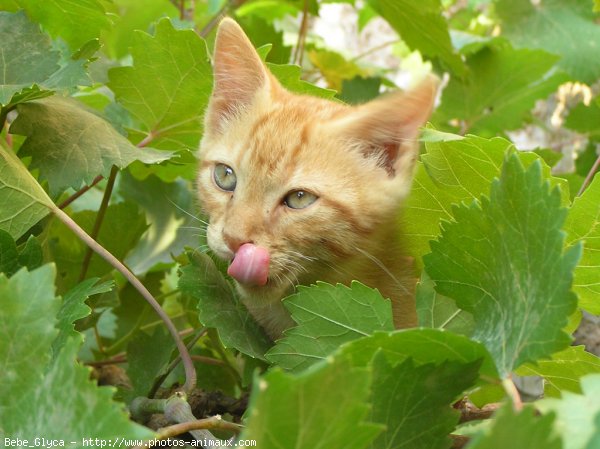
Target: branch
(511, 389)
(80, 192)
(99, 219)
(589, 177)
(299, 52)
(190, 373)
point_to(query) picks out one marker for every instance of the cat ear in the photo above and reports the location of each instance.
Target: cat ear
(239, 74)
(387, 128)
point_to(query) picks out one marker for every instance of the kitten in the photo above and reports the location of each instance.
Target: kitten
(300, 189)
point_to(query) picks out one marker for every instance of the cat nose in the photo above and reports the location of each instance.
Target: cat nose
(233, 242)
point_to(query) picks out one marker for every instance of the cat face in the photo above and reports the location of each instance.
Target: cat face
(295, 186)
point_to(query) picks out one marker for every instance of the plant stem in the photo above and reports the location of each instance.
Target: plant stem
(511, 389)
(589, 177)
(214, 21)
(161, 378)
(374, 50)
(80, 192)
(99, 219)
(190, 372)
(299, 52)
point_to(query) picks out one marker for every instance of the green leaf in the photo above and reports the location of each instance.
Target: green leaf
(71, 145)
(438, 311)
(26, 332)
(563, 27)
(261, 32)
(585, 119)
(23, 202)
(327, 317)
(583, 225)
(519, 430)
(564, 370)
(322, 407)
(289, 77)
(75, 22)
(147, 355)
(454, 171)
(169, 207)
(334, 67)
(168, 86)
(220, 307)
(12, 258)
(29, 62)
(66, 404)
(414, 401)
(577, 415)
(359, 90)
(500, 88)
(73, 308)
(504, 257)
(423, 346)
(422, 27)
(121, 229)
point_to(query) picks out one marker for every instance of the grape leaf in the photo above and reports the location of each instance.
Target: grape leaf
(564, 370)
(585, 119)
(501, 86)
(334, 67)
(168, 86)
(577, 415)
(26, 331)
(71, 146)
(75, 22)
(31, 67)
(327, 317)
(583, 225)
(563, 27)
(438, 311)
(12, 258)
(220, 307)
(503, 258)
(147, 355)
(74, 308)
(359, 90)
(414, 401)
(454, 170)
(322, 407)
(522, 430)
(423, 346)
(23, 202)
(290, 77)
(422, 27)
(169, 207)
(66, 404)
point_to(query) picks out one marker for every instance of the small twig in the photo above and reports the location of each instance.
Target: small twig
(459, 441)
(214, 422)
(468, 412)
(161, 378)
(511, 389)
(299, 52)
(374, 50)
(80, 192)
(99, 219)
(214, 21)
(190, 372)
(589, 177)
(116, 360)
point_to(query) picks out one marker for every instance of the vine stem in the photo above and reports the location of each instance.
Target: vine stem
(511, 389)
(190, 372)
(589, 176)
(99, 219)
(299, 53)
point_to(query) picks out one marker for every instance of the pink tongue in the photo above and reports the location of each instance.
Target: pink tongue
(250, 265)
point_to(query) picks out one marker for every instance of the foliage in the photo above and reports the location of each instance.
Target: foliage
(101, 110)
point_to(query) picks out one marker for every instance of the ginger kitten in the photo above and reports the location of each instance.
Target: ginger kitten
(300, 189)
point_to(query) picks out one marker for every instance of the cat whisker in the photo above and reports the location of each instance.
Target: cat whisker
(186, 212)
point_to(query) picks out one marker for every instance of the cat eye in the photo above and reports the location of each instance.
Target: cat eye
(224, 177)
(299, 199)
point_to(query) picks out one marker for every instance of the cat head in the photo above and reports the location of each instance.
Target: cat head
(293, 184)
